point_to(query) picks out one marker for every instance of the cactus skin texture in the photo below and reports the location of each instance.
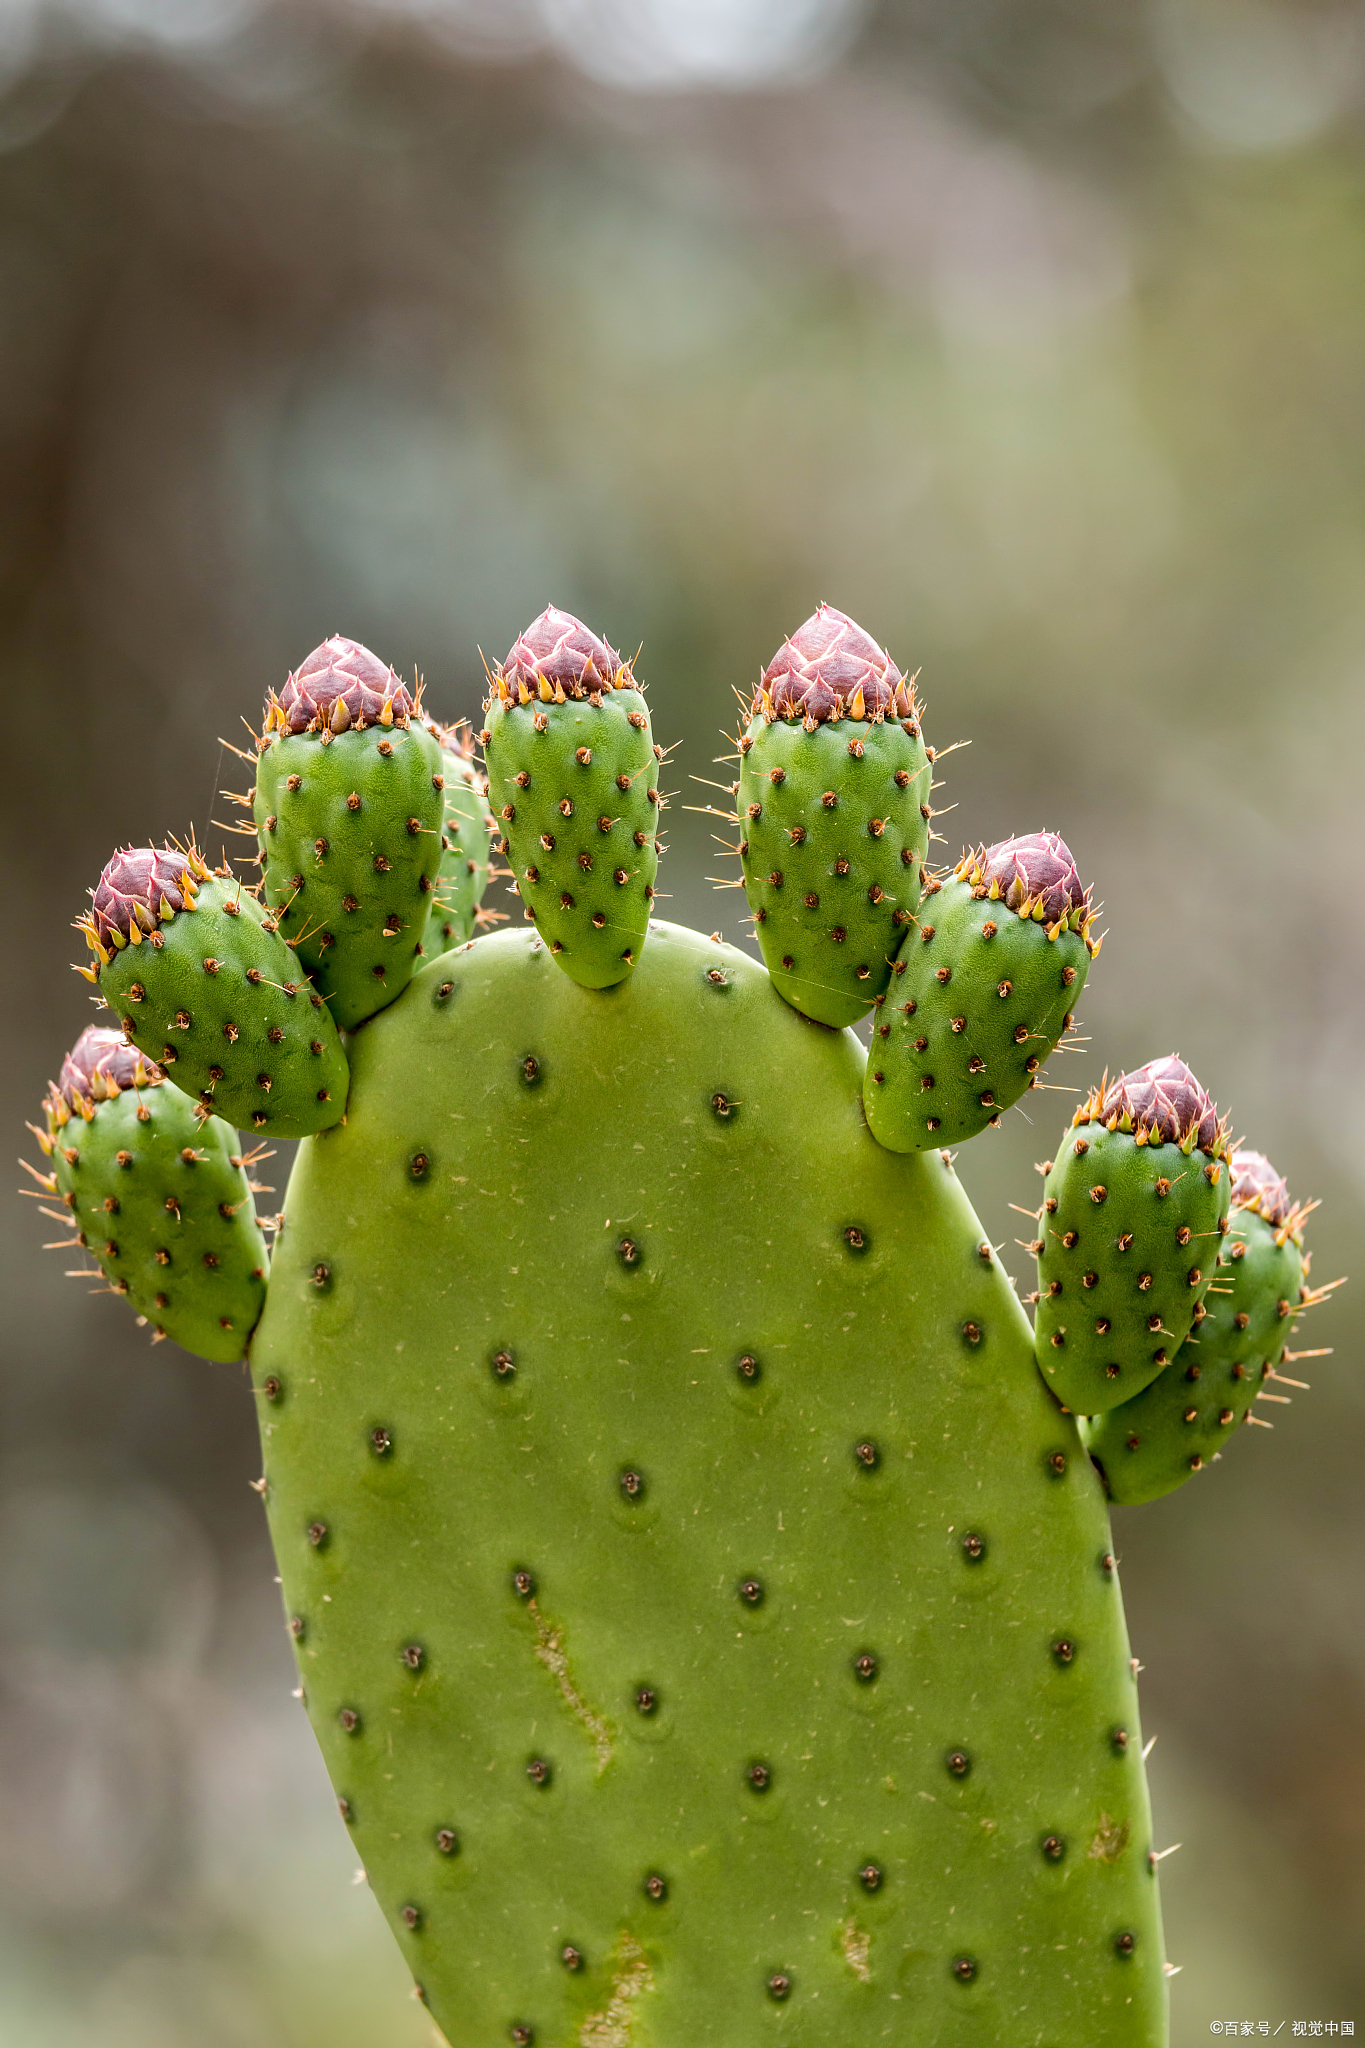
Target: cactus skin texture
(348, 807)
(693, 1660)
(157, 1195)
(1185, 1418)
(467, 834)
(833, 806)
(1134, 1209)
(573, 779)
(983, 988)
(203, 983)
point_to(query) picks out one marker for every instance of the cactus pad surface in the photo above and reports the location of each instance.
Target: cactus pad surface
(704, 1610)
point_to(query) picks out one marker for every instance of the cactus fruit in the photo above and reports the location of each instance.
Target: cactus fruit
(157, 1195)
(573, 777)
(833, 802)
(348, 808)
(467, 834)
(1134, 1210)
(1181, 1422)
(204, 984)
(704, 1605)
(636, 1615)
(982, 990)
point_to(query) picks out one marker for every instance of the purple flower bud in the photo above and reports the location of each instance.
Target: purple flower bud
(101, 1057)
(345, 673)
(1037, 867)
(134, 885)
(1256, 1185)
(821, 669)
(558, 648)
(1164, 1100)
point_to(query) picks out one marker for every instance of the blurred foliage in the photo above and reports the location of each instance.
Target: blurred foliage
(1030, 334)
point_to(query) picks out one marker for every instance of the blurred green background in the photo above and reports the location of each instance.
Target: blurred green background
(1030, 332)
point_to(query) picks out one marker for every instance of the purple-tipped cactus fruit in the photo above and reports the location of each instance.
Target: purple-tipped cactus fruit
(573, 780)
(705, 1607)
(833, 816)
(983, 990)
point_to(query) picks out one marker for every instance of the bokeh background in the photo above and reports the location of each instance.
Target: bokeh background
(1032, 333)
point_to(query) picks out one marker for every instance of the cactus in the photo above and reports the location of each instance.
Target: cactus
(572, 770)
(1182, 1421)
(467, 834)
(982, 995)
(704, 1604)
(833, 816)
(348, 809)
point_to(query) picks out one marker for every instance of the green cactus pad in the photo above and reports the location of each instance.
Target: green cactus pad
(213, 993)
(1128, 1240)
(1183, 1420)
(161, 1201)
(979, 998)
(467, 834)
(832, 846)
(573, 780)
(704, 1611)
(350, 832)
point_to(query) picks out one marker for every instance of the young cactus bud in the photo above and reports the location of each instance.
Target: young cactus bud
(467, 834)
(348, 807)
(573, 781)
(1135, 1208)
(983, 988)
(833, 817)
(203, 984)
(157, 1196)
(1180, 1423)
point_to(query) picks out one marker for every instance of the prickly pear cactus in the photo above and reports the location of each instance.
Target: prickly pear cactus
(467, 836)
(704, 1603)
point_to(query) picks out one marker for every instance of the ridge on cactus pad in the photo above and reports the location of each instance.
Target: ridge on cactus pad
(702, 1595)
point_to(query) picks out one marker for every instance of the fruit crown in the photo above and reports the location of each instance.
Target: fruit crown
(141, 887)
(1035, 876)
(1257, 1186)
(556, 657)
(1159, 1104)
(98, 1067)
(830, 669)
(340, 685)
